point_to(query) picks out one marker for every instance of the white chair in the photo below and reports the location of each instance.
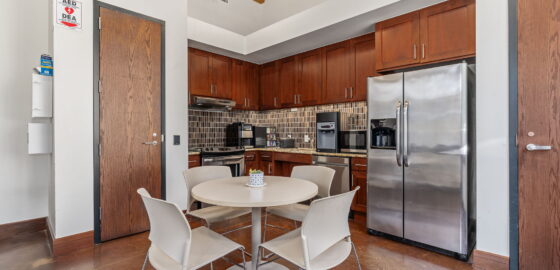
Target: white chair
(175, 245)
(321, 176)
(211, 214)
(323, 241)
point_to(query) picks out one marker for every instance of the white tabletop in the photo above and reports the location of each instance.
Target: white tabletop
(234, 193)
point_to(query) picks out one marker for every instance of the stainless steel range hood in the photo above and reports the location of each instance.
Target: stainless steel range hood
(211, 104)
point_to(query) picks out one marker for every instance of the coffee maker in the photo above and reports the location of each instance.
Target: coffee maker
(328, 125)
(240, 135)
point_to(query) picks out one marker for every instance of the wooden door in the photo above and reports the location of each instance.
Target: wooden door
(239, 84)
(338, 72)
(538, 114)
(397, 41)
(252, 86)
(269, 86)
(221, 76)
(130, 116)
(310, 82)
(287, 69)
(199, 73)
(363, 58)
(447, 31)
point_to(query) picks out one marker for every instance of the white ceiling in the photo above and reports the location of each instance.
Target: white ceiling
(246, 16)
(325, 22)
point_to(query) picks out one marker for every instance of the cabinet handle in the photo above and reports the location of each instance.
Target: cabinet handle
(414, 51)
(274, 101)
(423, 51)
(269, 168)
(351, 92)
(248, 102)
(299, 99)
(345, 93)
(295, 99)
(360, 165)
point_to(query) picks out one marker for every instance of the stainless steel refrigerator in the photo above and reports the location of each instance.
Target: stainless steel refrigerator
(421, 157)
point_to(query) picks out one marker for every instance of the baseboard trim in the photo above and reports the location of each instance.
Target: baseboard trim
(25, 226)
(483, 260)
(68, 244)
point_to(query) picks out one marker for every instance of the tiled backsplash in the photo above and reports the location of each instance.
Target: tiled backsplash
(207, 129)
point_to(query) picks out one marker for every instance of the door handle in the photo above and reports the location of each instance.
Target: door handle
(150, 143)
(534, 147)
(405, 133)
(398, 132)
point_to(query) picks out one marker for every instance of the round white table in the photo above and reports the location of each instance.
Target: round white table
(233, 192)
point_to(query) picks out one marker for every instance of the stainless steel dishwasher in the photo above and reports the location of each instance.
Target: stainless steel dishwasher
(341, 181)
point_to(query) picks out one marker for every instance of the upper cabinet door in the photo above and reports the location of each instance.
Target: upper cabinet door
(269, 86)
(252, 86)
(287, 68)
(239, 84)
(199, 73)
(221, 76)
(310, 81)
(448, 31)
(397, 41)
(338, 72)
(364, 63)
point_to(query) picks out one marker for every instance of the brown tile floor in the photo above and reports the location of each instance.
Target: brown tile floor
(30, 251)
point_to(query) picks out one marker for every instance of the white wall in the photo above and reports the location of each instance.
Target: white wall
(24, 179)
(73, 108)
(492, 127)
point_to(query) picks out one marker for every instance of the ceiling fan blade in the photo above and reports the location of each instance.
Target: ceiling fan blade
(259, 1)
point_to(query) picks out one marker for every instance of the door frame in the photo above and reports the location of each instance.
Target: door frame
(96, 108)
(512, 137)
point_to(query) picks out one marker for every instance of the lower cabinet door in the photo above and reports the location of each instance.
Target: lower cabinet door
(359, 178)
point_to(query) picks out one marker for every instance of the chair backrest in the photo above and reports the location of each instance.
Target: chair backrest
(326, 223)
(169, 229)
(199, 175)
(321, 176)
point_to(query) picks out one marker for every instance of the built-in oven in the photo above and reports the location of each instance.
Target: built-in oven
(233, 157)
(353, 141)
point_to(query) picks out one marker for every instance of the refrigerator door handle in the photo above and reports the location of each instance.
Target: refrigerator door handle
(398, 134)
(405, 133)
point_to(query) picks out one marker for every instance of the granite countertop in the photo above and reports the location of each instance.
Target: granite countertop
(193, 153)
(308, 151)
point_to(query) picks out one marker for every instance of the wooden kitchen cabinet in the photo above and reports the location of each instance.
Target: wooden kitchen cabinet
(194, 161)
(245, 85)
(285, 162)
(268, 86)
(251, 161)
(447, 31)
(265, 162)
(310, 78)
(437, 33)
(359, 178)
(337, 72)
(397, 41)
(209, 74)
(287, 69)
(363, 60)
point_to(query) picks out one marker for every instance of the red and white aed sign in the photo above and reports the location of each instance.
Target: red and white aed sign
(69, 13)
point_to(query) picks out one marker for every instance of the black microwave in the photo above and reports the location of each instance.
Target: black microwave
(353, 141)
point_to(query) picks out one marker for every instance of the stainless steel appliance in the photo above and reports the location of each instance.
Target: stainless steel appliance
(353, 141)
(233, 157)
(421, 157)
(259, 137)
(341, 181)
(239, 135)
(287, 143)
(211, 104)
(328, 124)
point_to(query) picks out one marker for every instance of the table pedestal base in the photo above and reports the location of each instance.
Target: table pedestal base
(268, 266)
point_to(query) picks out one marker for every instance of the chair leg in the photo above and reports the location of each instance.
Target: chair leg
(145, 261)
(356, 255)
(243, 258)
(258, 257)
